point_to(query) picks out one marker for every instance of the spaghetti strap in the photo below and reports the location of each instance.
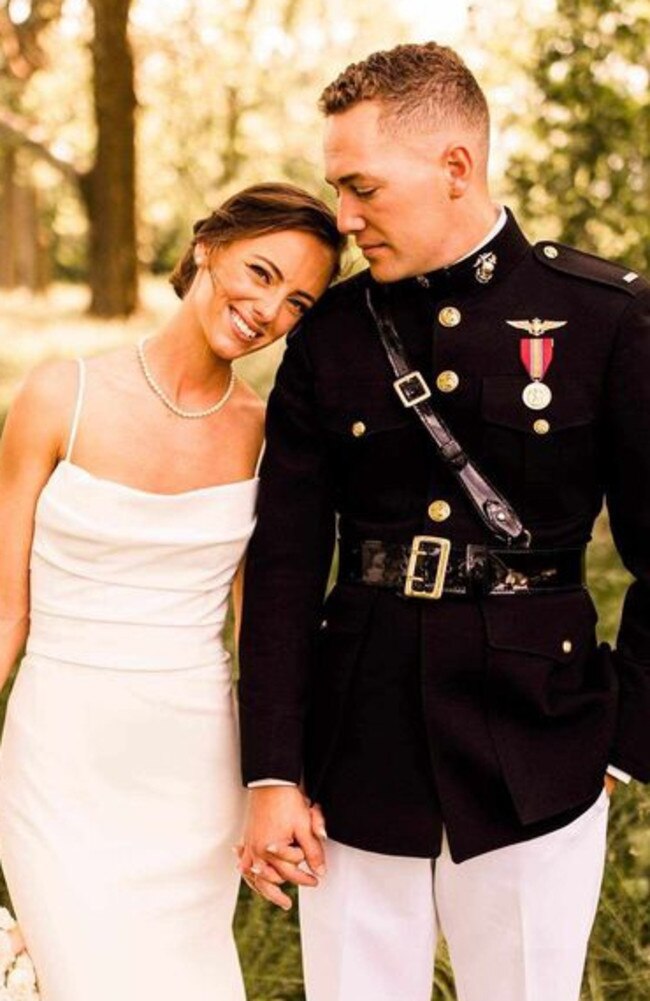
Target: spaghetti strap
(77, 410)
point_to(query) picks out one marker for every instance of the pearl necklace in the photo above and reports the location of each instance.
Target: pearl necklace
(162, 395)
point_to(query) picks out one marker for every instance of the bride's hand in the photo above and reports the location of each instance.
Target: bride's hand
(268, 888)
(280, 843)
(265, 880)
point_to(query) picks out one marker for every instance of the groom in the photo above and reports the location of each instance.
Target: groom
(447, 704)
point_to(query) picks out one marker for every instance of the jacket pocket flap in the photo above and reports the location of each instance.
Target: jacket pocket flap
(502, 403)
(372, 404)
(555, 626)
(360, 421)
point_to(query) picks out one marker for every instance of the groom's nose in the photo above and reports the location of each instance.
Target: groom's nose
(348, 215)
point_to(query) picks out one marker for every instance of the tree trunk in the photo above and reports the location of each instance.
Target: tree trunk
(30, 246)
(8, 277)
(109, 188)
(23, 241)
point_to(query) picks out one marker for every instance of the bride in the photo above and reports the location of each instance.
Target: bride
(127, 493)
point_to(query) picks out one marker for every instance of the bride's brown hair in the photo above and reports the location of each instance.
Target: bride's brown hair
(255, 211)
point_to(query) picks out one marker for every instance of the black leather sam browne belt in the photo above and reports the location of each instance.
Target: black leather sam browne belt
(429, 567)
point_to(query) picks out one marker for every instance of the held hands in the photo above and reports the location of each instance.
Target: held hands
(282, 843)
(284, 839)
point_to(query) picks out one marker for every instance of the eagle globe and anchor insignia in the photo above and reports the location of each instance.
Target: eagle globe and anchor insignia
(484, 267)
(536, 353)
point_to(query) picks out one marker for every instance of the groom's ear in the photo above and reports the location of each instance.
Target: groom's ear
(459, 168)
(457, 164)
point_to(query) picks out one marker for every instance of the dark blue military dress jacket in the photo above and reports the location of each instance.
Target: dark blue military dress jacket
(495, 716)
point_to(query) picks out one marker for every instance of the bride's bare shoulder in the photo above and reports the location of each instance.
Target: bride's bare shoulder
(49, 387)
(39, 416)
(48, 393)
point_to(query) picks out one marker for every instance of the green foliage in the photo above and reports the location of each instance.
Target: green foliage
(269, 942)
(587, 161)
(618, 964)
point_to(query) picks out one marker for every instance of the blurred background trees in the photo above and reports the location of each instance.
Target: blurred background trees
(226, 93)
(23, 243)
(105, 189)
(583, 172)
(108, 188)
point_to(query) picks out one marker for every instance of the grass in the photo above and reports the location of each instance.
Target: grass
(618, 966)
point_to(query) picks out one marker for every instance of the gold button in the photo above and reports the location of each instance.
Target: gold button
(447, 382)
(567, 646)
(541, 427)
(551, 252)
(439, 510)
(358, 429)
(449, 316)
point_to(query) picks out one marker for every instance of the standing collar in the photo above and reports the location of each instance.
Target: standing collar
(490, 262)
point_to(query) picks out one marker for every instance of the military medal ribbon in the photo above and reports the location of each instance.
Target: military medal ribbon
(536, 355)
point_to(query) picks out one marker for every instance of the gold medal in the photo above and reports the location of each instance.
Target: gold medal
(537, 395)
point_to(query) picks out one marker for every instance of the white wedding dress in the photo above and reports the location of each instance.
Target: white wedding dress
(120, 796)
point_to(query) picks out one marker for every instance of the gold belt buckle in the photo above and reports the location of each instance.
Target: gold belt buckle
(418, 583)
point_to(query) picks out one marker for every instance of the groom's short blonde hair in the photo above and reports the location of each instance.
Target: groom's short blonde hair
(421, 87)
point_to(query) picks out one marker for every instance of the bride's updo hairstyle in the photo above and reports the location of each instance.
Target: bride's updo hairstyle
(256, 211)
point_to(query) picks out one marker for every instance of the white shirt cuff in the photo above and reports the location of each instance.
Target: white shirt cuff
(260, 783)
(616, 773)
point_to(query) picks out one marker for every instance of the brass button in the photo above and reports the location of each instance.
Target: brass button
(541, 427)
(449, 316)
(358, 429)
(551, 252)
(439, 510)
(447, 381)
(567, 646)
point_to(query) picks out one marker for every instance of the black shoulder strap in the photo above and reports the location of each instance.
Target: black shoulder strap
(579, 264)
(411, 387)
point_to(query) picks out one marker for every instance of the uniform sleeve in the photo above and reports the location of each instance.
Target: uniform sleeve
(628, 500)
(287, 568)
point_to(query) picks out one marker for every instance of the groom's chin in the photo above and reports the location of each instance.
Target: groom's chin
(386, 270)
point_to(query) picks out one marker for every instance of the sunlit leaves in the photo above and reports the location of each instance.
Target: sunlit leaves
(588, 161)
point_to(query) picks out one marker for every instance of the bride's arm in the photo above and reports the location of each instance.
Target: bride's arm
(29, 450)
(237, 599)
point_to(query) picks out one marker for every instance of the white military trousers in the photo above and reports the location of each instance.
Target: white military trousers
(517, 920)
